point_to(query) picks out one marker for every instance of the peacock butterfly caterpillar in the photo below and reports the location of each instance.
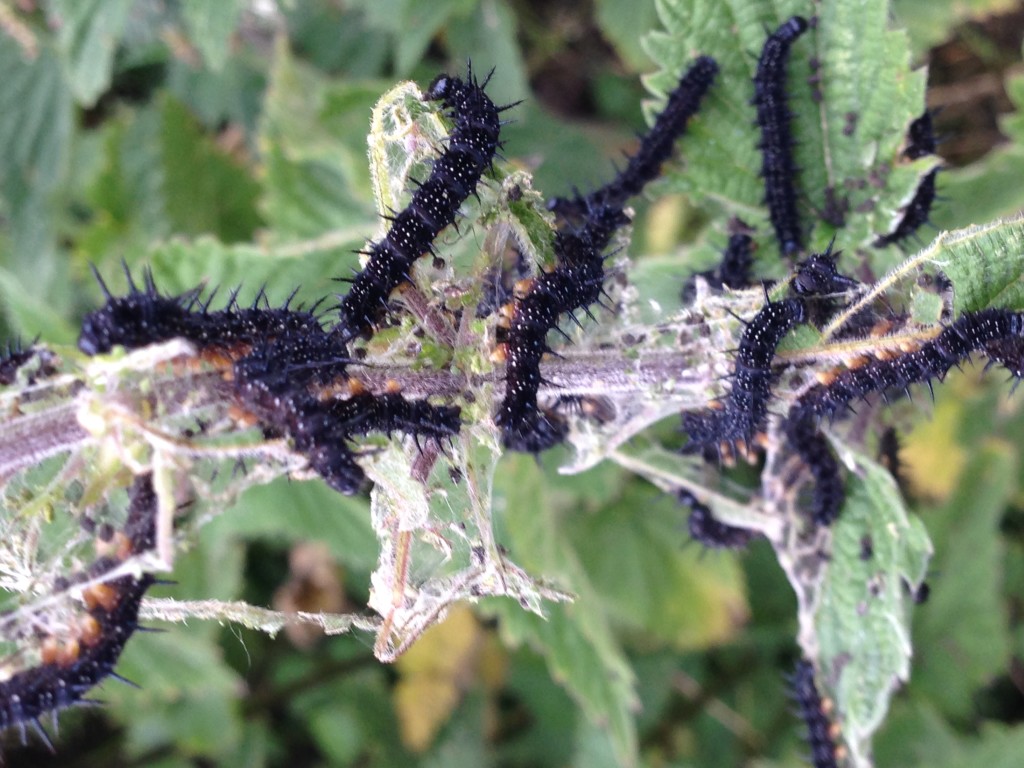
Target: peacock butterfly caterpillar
(819, 281)
(14, 357)
(1009, 352)
(773, 118)
(471, 146)
(816, 712)
(921, 140)
(915, 214)
(70, 666)
(973, 331)
(737, 259)
(733, 271)
(889, 456)
(146, 316)
(280, 361)
(746, 408)
(276, 383)
(574, 284)
(600, 410)
(708, 530)
(829, 490)
(577, 280)
(655, 146)
(817, 275)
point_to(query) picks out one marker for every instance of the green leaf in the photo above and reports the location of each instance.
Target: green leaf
(999, 746)
(127, 191)
(89, 34)
(210, 23)
(180, 265)
(846, 143)
(290, 511)
(35, 132)
(861, 616)
(580, 654)
(413, 25)
(349, 717)
(29, 314)
(575, 640)
(214, 570)
(487, 38)
(419, 23)
(313, 132)
(161, 174)
(962, 626)
(985, 263)
(931, 22)
(170, 667)
(624, 23)
(982, 191)
(206, 192)
(989, 188)
(232, 96)
(339, 39)
(914, 734)
(654, 584)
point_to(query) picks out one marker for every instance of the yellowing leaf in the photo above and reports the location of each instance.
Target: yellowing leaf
(933, 456)
(433, 674)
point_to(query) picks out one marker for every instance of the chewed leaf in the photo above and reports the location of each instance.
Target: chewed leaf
(860, 619)
(985, 263)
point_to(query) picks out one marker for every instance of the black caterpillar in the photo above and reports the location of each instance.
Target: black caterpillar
(270, 384)
(822, 732)
(471, 147)
(146, 316)
(996, 331)
(737, 260)
(773, 118)
(819, 281)
(745, 411)
(577, 281)
(655, 148)
(733, 271)
(921, 140)
(12, 359)
(71, 666)
(811, 445)
(971, 332)
(916, 213)
(746, 408)
(708, 530)
(280, 361)
(1008, 352)
(889, 456)
(575, 284)
(817, 275)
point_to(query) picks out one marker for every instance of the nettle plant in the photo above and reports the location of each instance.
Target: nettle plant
(524, 325)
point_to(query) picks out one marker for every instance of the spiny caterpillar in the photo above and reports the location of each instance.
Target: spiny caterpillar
(279, 360)
(816, 712)
(577, 280)
(710, 531)
(455, 174)
(773, 118)
(746, 408)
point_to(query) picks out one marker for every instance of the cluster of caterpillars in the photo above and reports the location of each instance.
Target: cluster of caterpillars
(290, 368)
(739, 421)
